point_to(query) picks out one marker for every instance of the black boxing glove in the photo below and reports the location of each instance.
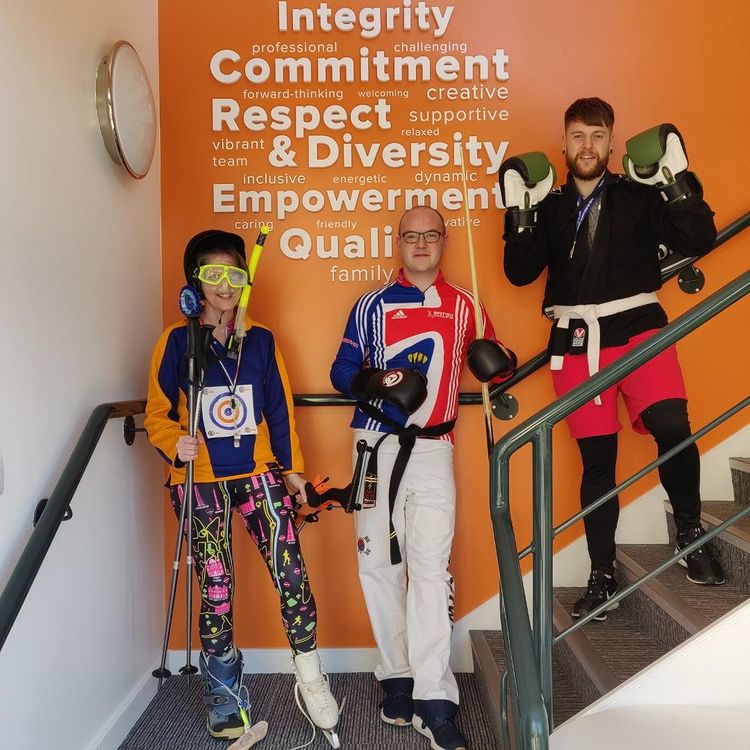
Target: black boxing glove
(405, 389)
(487, 360)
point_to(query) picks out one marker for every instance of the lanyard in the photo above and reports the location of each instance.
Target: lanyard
(584, 206)
(231, 383)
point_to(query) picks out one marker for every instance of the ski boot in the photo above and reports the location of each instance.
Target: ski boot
(224, 695)
(312, 684)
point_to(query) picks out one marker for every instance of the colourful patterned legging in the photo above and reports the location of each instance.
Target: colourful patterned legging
(266, 508)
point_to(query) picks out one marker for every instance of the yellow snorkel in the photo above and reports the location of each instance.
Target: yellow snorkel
(239, 319)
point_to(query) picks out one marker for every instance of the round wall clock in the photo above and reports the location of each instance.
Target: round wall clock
(126, 110)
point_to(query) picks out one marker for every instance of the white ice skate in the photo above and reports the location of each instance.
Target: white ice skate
(312, 684)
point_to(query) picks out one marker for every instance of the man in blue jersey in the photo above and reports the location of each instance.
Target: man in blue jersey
(401, 357)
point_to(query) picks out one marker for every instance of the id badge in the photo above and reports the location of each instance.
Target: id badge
(227, 415)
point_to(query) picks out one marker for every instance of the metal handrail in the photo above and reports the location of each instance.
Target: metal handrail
(31, 559)
(532, 677)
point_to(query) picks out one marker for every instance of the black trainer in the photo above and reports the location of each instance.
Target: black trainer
(602, 586)
(397, 707)
(434, 720)
(702, 565)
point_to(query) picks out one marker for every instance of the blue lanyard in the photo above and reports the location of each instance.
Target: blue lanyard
(585, 206)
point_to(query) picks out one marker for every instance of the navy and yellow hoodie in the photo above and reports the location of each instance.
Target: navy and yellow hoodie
(261, 367)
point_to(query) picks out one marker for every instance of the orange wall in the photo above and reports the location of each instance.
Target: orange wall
(655, 62)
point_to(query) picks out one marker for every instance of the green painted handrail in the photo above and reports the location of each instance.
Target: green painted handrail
(531, 673)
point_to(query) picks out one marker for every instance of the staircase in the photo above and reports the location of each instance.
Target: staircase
(652, 621)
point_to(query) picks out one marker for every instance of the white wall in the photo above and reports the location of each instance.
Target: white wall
(81, 287)
(709, 669)
(716, 476)
(706, 673)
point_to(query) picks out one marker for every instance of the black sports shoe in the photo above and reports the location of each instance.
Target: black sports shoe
(434, 720)
(397, 707)
(601, 587)
(702, 565)
(442, 736)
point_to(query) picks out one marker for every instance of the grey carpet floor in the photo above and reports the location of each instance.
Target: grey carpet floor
(175, 719)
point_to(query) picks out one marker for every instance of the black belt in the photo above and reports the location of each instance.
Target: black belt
(407, 437)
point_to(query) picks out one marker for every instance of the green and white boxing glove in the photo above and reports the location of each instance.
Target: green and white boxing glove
(657, 157)
(525, 180)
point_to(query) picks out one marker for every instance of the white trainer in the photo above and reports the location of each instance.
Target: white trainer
(312, 684)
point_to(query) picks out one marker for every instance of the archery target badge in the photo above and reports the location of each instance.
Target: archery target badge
(227, 415)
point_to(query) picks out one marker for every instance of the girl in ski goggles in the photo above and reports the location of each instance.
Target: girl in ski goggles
(215, 273)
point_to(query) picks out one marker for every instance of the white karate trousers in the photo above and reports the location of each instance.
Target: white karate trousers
(411, 604)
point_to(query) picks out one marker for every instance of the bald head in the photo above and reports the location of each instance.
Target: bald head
(423, 209)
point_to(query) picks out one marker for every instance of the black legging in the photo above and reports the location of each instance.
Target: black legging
(266, 509)
(668, 423)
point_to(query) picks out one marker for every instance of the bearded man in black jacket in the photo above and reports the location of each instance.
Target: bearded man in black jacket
(599, 237)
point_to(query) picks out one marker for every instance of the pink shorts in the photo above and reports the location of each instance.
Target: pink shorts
(659, 379)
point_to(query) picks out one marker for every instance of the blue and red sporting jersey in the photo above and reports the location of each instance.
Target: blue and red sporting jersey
(399, 325)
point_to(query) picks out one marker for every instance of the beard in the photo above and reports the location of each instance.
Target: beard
(586, 170)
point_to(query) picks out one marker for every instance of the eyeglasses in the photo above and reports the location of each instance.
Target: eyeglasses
(215, 273)
(430, 236)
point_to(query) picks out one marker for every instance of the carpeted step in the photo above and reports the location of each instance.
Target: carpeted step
(670, 606)
(578, 657)
(732, 545)
(489, 663)
(740, 468)
(620, 644)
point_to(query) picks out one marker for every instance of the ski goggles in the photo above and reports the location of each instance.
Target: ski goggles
(215, 273)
